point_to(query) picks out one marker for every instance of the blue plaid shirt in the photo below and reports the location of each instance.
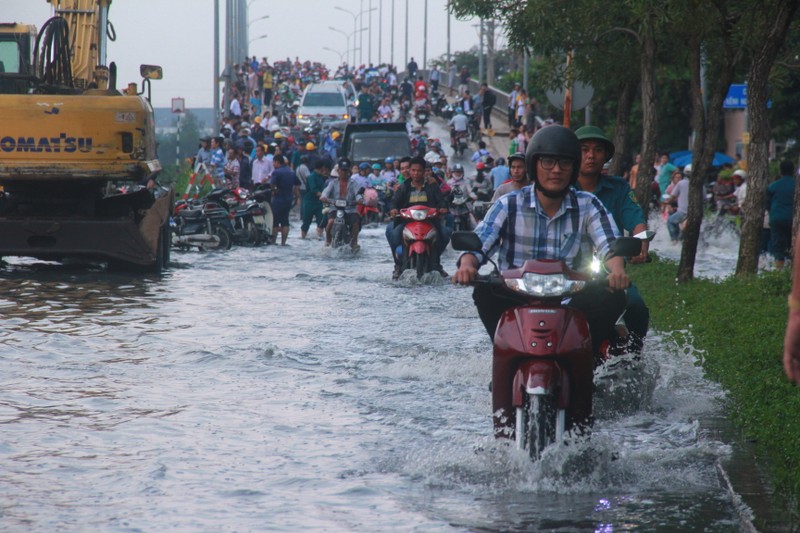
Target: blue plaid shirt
(518, 228)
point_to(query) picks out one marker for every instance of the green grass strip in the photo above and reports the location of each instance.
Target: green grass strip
(739, 324)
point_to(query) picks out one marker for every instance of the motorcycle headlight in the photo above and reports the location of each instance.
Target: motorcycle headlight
(544, 284)
(419, 214)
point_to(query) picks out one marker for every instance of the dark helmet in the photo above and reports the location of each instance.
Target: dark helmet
(584, 133)
(516, 156)
(556, 141)
(457, 168)
(344, 163)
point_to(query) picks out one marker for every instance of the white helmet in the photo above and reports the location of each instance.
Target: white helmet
(687, 170)
(741, 173)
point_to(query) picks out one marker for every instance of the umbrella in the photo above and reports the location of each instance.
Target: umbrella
(684, 157)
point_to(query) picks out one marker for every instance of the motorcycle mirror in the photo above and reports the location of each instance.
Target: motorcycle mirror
(466, 241)
(625, 247)
(646, 235)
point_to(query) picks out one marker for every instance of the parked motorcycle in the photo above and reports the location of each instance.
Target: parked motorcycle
(543, 365)
(202, 224)
(251, 214)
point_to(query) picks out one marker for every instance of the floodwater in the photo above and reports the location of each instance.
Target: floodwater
(299, 388)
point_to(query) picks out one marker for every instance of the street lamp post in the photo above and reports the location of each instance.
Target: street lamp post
(340, 54)
(256, 20)
(254, 39)
(347, 36)
(356, 16)
(354, 28)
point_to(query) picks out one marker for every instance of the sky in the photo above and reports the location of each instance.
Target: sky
(179, 36)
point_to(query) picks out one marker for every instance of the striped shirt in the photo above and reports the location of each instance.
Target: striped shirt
(518, 229)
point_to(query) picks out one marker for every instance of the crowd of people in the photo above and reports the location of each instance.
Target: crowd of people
(726, 194)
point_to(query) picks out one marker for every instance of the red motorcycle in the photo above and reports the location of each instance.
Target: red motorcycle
(419, 239)
(543, 365)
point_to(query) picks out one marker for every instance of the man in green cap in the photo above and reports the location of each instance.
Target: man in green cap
(617, 196)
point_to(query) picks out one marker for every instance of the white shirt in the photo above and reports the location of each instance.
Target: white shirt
(262, 170)
(740, 194)
(236, 109)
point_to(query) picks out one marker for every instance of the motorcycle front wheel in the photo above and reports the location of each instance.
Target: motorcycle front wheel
(419, 262)
(338, 235)
(539, 425)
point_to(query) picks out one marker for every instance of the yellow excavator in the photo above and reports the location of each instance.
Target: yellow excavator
(78, 161)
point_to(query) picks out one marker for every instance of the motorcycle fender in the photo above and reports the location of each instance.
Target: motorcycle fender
(538, 376)
(418, 247)
(417, 230)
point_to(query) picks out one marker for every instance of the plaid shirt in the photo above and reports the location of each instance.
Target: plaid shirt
(517, 228)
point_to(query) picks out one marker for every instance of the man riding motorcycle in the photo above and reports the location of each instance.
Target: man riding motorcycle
(343, 188)
(548, 220)
(458, 126)
(416, 190)
(618, 199)
(459, 196)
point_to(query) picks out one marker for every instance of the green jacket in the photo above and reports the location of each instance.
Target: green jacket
(315, 184)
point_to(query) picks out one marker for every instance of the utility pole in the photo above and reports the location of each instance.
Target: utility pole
(425, 39)
(480, 56)
(490, 52)
(406, 63)
(369, 46)
(361, 33)
(391, 55)
(380, 29)
(525, 61)
(216, 64)
(447, 67)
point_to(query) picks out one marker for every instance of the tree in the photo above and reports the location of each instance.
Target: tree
(769, 26)
(713, 29)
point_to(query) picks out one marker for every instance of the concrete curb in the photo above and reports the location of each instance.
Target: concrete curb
(742, 510)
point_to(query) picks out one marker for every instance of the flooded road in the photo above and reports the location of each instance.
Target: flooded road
(290, 388)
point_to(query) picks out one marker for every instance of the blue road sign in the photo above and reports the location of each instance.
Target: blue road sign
(737, 97)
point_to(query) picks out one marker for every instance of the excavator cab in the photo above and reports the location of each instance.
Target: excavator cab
(16, 57)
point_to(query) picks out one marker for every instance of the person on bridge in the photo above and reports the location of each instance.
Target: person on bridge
(618, 198)
(463, 80)
(434, 77)
(488, 101)
(542, 221)
(412, 68)
(203, 156)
